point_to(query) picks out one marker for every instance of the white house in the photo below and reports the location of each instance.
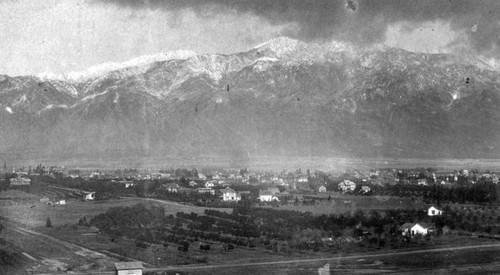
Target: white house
(193, 183)
(347, 185)
(89, 196)
(266, 195)
(20, 181)
(303, 179)
(412, 229)
(201, 176)
(433, 211)
(172, 187)
(209, 184)
(322, 189)
(229, 194)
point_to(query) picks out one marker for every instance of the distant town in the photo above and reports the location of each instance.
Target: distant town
(172, 217)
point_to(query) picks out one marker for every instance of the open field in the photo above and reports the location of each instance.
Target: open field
(158, 254)
(45, 254)
(340, 203)
(36, 214)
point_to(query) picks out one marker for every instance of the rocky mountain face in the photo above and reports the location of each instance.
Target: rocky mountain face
(283, 98)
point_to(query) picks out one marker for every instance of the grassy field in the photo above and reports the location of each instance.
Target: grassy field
(41, 254)
(35, 214)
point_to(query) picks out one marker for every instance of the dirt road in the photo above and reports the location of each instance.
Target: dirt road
(50, 254)
(493, 246)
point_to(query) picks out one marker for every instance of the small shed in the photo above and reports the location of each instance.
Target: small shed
(129, 268)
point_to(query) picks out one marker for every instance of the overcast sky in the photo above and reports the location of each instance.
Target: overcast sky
(72, 35)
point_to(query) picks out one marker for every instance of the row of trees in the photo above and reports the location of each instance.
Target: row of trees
(245, 226)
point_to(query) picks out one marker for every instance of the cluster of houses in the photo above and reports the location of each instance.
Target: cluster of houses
(445, 178)
(227, 194)
(48, 201)
(350, 186)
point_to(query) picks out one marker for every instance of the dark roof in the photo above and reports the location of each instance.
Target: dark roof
(406, 226)
(128, 265)
(228, 190)
(426, 225)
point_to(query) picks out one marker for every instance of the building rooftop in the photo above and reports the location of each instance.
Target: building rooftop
(128, 265)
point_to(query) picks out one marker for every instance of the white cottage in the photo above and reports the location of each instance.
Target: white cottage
(412, 229)
(433, 211)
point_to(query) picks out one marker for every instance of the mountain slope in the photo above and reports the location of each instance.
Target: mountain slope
(282, 98)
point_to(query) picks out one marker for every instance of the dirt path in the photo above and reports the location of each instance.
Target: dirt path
(64, 254)
(495, 246)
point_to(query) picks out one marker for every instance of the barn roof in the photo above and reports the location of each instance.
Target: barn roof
(128, 265)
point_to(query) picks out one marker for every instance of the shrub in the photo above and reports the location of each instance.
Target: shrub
(48, 223)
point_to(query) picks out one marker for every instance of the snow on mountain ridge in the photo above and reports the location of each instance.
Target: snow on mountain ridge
(102, 69)
(281, 45)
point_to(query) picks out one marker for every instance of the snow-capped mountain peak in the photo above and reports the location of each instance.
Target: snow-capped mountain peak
(280, 46)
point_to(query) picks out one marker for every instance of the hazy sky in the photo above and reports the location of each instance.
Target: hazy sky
(72, 35)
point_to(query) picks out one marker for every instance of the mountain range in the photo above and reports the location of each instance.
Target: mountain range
(283, 98)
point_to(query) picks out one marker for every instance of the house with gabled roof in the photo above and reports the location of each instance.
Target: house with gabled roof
(171, 187)
(266, 195)
(412, 229)
(433, 211)
(347, 185)
(229, 194)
